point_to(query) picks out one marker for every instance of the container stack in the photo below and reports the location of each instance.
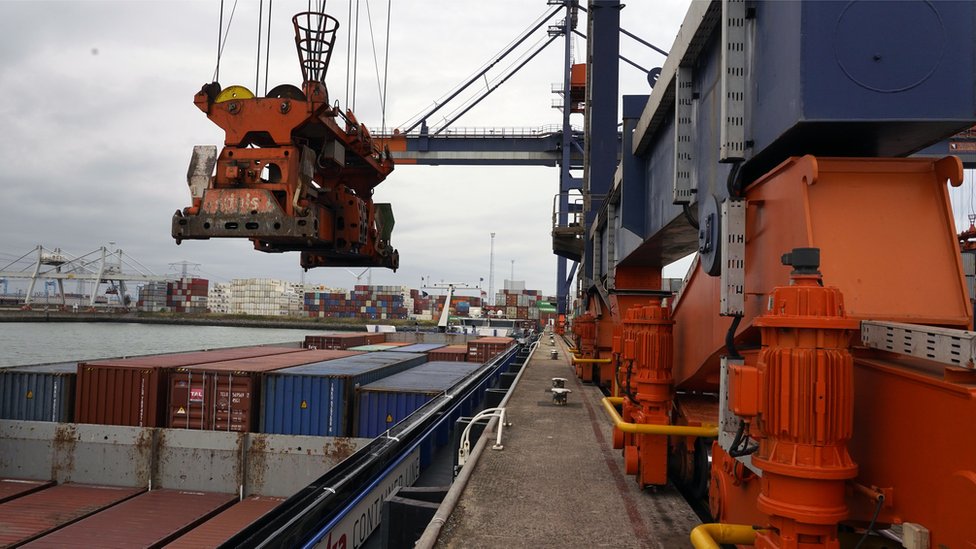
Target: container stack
(188, 295)
(153, 297)
(519, 303)
(225, 396)
(364, 302)
(218, 298)
(319, 399)
(342, 341)
(264, 297)
(483, 349)
(133, 391)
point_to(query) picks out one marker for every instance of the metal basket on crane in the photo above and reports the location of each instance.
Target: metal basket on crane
(315, 34)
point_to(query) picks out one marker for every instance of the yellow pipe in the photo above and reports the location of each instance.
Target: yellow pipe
(651, 429)
(709, 536)
(591, 360)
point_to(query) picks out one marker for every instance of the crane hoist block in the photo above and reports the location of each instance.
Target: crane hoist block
(295, 173)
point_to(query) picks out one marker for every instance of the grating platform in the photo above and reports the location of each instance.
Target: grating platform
(558, 482)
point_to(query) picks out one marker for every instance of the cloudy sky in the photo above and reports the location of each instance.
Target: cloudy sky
(98, 125)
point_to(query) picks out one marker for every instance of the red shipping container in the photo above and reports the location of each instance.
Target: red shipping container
(343, 340)
(151, 519)
(485, 348)
(132, 391)
(11, 488)
(451, 353)
(225, 396)
(219, 529)
(34, 515)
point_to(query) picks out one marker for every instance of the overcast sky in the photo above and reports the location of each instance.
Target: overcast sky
(98, 125)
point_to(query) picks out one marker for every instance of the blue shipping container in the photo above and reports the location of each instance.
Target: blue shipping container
(38, 393)
(384, 403)
(419, 347)
(319, 399)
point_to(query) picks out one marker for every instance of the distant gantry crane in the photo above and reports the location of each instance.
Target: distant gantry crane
(53, 267)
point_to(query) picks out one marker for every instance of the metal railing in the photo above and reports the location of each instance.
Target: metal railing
(487, 133)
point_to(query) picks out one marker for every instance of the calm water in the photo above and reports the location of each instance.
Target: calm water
(40, 342)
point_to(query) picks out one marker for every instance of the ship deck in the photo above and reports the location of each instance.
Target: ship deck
(558, 482)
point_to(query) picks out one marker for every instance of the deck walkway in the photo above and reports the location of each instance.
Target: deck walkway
(558, 482)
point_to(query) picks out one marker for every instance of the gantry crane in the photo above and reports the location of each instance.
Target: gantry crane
(809, 378)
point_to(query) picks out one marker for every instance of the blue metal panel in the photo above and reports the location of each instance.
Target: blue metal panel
(318, 399)
(814, 86)
(38, 393)
(633, 191)
(385, 402)
(304, 405)
(378, 411)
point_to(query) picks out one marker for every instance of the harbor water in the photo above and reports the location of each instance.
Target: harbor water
(42, 342)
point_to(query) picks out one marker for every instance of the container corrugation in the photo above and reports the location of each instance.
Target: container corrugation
(374, 348)
(225, 396)
(337, 341)
(31, 516)
(12, 488)
(419, 348)
(132, 391)
(320, 399)
(483, 349)
(37, 394)
(224, 526)
(147, 520)
(451, 353)
(384, 403)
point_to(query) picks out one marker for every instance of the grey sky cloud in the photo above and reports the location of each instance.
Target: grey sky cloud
(95, 145)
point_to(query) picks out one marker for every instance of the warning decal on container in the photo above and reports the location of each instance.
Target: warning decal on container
(304, 405)
(181, 411)
(389, 418)
(30, 394)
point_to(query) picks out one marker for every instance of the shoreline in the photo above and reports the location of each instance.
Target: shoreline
(208, 320)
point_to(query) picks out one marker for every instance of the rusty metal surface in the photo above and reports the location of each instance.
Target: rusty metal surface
(267, 465)
(34, 515)
(222, 527)
(150, 519)
(66, 452)
(280, 465)
(11, 488)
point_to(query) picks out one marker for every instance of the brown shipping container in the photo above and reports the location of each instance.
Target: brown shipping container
(511, 300)
(219, 529)
(375, 338)
(336, 341)
(451, 353)
(147, 520)
(132, 391)
(225, 396)
(11, 488)
(36, 514)
(485, 348)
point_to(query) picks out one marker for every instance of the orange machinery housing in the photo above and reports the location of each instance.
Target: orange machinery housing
(826, 348)
(296, 173)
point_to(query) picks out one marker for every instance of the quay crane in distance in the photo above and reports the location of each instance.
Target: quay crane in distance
(296, 173)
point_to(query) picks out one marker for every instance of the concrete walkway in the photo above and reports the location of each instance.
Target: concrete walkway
(558, 482)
